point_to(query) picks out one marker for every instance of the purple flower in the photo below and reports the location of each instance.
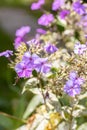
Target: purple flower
(23, 70)
(75, 78)
(27, 65)
(29, 59)
(80, 48)
(46, 19)
(41, 31)
(50, 48)
(73, 85)
(17, 42)
(73, 75)
(79, 8)
(83, 21)
(72, 89)
(64, 13)
(57, 4)
(41, 65)
(86, 36)
(32, 42)
(21, 32)
(37, 5)
(6, 53)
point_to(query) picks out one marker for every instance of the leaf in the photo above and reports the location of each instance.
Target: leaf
(61, 24)
(63, 126)
(31, 83)
(6, 122)
(83, 127)
(35, 91)
(20, 106)
(9, 121)
(60, 27)
(82, 96)
(24, 127)
(34, 73)
(39, 123)
(36, 100)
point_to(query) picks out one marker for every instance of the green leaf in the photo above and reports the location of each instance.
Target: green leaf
(54, 70)
(61, 24)
(20, 106)
(60, 27)
(6, 122)
(83, 127)
(34, 73)
(36, 100)
(63, 126)
(31, 83)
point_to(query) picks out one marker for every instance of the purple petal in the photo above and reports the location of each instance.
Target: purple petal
(37, 5)
(79, 8)
(17, 42)
(21, 32)
(50, 48)
(41, 31)
(57, 4)
(23, 70)
(64, 13)
(73, 75)
(46, 19)
(6, 53)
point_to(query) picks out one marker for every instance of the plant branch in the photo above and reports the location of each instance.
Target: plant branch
(13, 117)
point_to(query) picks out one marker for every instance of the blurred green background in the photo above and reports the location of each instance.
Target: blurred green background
(13, 15)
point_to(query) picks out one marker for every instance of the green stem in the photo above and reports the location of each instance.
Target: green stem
(13, 117)
(41, 87)
(70, 122)
(74, 102)
(44, 100)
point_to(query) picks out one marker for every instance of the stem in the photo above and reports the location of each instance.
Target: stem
(45, 101)
(43, 10)
(74, 102)
(43, 94)
(71, 118)
(9, 59)
(12, 117)
(16, 81)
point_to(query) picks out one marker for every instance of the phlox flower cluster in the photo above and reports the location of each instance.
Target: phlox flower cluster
(55, 59)
(31, 62)
(73, 85)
